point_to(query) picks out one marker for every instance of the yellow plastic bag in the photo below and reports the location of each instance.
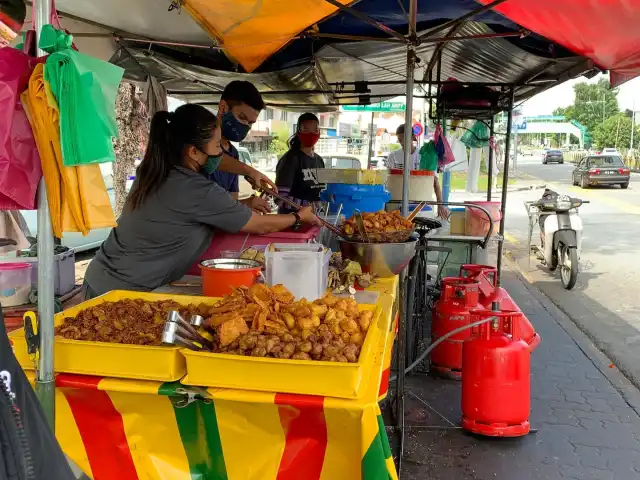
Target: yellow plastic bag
(78, 198)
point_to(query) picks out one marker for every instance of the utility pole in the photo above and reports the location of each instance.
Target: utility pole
(371, 146)
(633, 123)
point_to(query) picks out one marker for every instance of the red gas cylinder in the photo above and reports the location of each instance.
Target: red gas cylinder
(496, 386)
(458, 297)
(490, 293)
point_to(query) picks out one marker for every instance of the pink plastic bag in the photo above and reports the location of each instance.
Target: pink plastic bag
(443, 149)
(20, 169)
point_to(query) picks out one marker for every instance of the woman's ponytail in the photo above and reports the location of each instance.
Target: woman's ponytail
(157, 163)
(169, 137)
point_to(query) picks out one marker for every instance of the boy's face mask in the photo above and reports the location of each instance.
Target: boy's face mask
(233, 129)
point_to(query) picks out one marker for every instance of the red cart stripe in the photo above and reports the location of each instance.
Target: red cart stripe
(305, 428)
(384, 382)
(101, 428)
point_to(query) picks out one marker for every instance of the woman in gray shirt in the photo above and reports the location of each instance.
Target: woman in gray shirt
(172, 209)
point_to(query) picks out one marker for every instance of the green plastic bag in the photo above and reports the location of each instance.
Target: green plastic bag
(428, 157)
(85, 89)
(477, 136)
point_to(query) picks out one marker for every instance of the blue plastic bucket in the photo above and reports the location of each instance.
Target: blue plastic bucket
(366, 198)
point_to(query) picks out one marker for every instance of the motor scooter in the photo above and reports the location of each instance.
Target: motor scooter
(560, 233)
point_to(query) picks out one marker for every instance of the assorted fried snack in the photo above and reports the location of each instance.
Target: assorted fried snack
(129, 321)
(379, 227)
(267, 322)
(252, 254)
(254, 321)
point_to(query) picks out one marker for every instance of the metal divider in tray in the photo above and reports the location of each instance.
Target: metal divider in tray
(144, 362)
(309, 377)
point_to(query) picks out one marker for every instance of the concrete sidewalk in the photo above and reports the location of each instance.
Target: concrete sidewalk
(584, 410)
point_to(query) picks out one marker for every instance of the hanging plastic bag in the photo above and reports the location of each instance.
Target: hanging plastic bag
(85, 89)
(20, 169)
(78, 198)
(477, 136)
(443, 149)
(428, 157)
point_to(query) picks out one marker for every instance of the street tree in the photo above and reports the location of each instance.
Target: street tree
(615, 132)
(594, 103)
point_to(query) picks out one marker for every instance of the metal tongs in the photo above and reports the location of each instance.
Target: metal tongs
(177, 331)
(362, 230)
(269, 192)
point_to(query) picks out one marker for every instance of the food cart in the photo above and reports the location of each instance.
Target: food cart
(207, 421)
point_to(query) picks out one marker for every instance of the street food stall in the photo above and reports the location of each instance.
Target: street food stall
(114, 418)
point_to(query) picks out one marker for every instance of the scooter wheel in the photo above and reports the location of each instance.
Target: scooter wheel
(568, 273)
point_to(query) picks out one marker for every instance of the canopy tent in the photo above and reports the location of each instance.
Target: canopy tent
(324, 44)
(317, 83)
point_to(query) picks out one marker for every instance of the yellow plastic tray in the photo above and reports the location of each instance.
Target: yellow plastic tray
(330, 379)
(161, 363)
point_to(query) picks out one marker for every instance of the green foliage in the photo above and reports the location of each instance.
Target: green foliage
(394, 146)
(615, 132)
(560, 111)
(279, 143)
(594, 104)
(279, 147)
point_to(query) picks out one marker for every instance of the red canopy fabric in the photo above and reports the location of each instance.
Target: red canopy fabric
(606, 31)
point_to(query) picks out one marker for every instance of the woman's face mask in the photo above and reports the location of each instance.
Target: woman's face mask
(232, 128)
(308, 139)
(212, 163)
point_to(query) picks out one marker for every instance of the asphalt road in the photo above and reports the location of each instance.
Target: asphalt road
(605, 303)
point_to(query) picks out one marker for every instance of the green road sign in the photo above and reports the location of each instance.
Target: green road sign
(376, 107)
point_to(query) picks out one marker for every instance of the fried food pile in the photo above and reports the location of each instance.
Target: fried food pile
(252, 254)
(267, 322)
(379, 222)
(129, 321)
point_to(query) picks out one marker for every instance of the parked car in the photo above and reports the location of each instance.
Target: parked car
(246, 190)
(601, 170)
(339, 160)
(378, 163)
(76, 240)
(552, 156)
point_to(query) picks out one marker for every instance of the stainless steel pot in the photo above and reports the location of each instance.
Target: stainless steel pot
(381, 259)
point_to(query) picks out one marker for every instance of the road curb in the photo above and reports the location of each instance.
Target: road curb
(629, 389)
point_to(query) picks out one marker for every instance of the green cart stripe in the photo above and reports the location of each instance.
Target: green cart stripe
(374, 466)
(198, 427)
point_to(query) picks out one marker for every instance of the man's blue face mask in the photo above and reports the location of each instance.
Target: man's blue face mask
(233, 129)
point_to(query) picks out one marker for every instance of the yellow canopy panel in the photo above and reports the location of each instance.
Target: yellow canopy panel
(250, 31)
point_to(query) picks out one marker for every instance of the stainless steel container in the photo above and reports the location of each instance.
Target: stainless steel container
(230, 263)
(381, 259)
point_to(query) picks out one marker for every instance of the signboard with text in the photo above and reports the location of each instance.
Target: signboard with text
(376, 107)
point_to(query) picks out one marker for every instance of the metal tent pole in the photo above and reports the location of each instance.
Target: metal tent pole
(403, 318)
(490, 161)
(408, 130)
(45, 381)
(370, 151)
(505, 182)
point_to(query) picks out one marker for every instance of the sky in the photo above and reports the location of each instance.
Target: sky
(563, 96)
